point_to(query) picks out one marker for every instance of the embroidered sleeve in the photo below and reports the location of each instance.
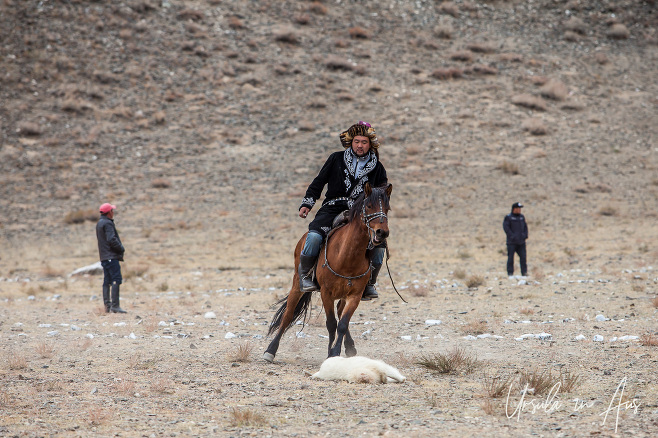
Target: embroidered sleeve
(314, 190)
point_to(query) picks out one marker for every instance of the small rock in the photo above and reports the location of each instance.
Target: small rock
(432, 322)
(230, 335)
(597, 338)
(210, 315)
(580, 337)
(601, 318)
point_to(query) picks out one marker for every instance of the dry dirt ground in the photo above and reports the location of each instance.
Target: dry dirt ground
(204, 121)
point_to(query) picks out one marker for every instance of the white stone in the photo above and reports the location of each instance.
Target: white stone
(210, 315)
(75, 328)
(90, 336)
(230, 335)
(163, 324)
(119, 324)
(470, 338)
(53, 333)
(44, 325)
(132, 336)
(601, 318)
(597, 338)
(405, 338)
(629, 338)
(580, 337)
(432, 321)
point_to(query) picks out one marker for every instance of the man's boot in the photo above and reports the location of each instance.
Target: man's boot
(370, 292)
(115, 299)
(106, 298)
(306, 282)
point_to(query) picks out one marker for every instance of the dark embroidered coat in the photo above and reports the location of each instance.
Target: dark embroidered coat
(337, 175)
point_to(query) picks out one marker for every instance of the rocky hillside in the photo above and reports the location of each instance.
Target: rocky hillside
(201, 116)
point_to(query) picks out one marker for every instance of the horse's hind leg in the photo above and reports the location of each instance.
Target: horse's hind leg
(350, 349)
(293, 298)
(331, 322)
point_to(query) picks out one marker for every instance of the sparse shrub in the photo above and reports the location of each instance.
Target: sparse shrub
(303, 19)
(488, 407)
(163, 287)
(655, 302)
(608, 210)
(286, 35)
(459, 274)
(449, 8)
(601, 58)
(317, 8)
(475, 281)
(457, 361)
(530, 101)
(5, 398)
(508, 167)
(463, 254)
(571, 36)
(16, 361)
(511, 57)
(569, 381)
(85, 343)
(537, 382)
(235, 23)
(534, 126)
(475, 328)
(133, 271)
(125, 387)
(45, 350)
(526, 311)
(572, 106)
(447, 73)
(162, 385)
(575, 24)
(99, 416)
(242, 352)
(358, 32)
(462, 55)
(30, 129)
(554, 90)
(338, 63)
(79, 216)
(160, 183)
(481, 48)
(649, 340)
(496, 386)
(246, 418)
(419, 291)
(618, 32)
(443, 32)
(483, 69)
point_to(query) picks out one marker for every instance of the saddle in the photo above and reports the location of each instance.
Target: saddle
(341, 219)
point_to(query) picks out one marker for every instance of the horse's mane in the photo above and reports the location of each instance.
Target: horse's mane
(377, 192)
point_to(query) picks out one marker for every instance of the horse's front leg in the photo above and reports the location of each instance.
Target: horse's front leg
(331, 322)
(344, 323)
(350, 349)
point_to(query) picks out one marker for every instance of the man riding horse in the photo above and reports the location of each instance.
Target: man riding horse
(345, 175)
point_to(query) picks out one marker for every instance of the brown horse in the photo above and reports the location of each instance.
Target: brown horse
(342, 272)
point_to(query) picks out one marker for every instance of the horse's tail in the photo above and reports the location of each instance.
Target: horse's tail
(301, 312)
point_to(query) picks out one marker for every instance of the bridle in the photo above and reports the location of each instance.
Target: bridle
(366, 218)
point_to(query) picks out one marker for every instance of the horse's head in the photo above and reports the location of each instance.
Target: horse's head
(373, 208)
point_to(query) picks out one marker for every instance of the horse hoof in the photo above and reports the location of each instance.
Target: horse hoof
(268, 357)
(350, 352)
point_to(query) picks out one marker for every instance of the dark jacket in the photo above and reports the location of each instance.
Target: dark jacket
(516, 229)
(109, 244)
(337, 175)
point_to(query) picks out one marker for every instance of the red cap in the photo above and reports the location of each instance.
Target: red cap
(106, 208)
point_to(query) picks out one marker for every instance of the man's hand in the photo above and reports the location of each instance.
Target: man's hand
(303, 212)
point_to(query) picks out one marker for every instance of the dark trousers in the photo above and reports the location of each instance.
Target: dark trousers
(111, 272)
(520, 250)
(325, 217)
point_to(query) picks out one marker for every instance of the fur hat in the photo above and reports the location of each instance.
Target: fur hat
(361, 128)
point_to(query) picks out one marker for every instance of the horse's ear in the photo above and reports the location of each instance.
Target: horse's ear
(368, 189)
(389, 189)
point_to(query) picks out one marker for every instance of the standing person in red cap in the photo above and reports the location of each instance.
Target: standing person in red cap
(111, 252)
(345, 173)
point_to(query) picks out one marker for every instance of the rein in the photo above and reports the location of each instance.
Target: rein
(366, 218)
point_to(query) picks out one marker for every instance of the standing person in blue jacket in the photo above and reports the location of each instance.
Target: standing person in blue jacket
(111, 252)
(516, 230)
(345, 174)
